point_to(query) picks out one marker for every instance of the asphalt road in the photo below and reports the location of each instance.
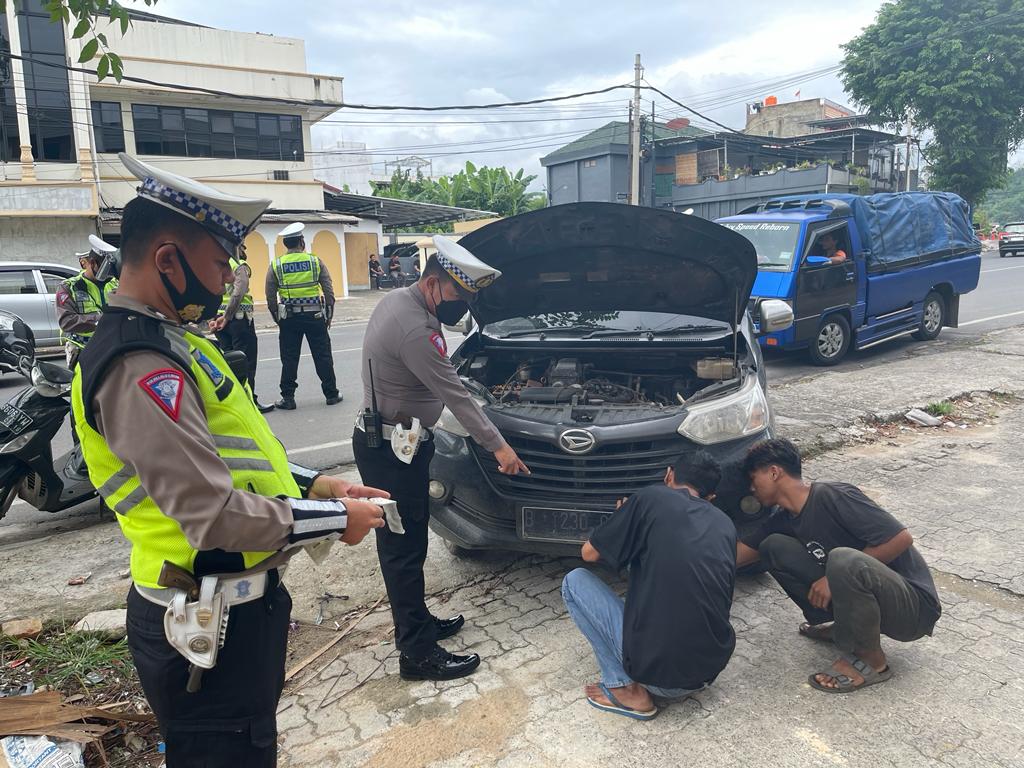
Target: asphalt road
(320, 436)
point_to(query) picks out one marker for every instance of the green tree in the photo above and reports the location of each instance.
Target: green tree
(483, 188)
(1004, 205)
(85, 14)
(955, 68)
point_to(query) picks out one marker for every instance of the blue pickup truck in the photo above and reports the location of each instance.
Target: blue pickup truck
(909, 258)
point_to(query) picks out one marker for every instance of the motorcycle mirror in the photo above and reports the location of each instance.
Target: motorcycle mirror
(110, 266)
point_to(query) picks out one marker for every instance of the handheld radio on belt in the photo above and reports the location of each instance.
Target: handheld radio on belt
(372, 424)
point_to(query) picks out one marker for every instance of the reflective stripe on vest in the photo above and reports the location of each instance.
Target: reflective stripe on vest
(90, 298)
(298, 277)
(243, 439)
(246, 304)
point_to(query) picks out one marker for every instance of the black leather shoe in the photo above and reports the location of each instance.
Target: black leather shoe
(448, 627)
(335, 400)
(285, 404)
(437, 665)
(263, 408)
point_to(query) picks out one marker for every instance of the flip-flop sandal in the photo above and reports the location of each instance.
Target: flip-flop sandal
(845, 683)
(618, 708)
(821, 632)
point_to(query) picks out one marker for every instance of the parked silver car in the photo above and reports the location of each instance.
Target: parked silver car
(28, 289)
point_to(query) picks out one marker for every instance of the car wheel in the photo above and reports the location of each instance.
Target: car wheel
(932, 317)
(832, 341)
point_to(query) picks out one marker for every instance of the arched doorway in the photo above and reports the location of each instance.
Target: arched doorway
(327, 249)
(258, 258)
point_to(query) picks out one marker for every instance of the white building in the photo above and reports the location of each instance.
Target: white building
(60, 132)
(348, 165)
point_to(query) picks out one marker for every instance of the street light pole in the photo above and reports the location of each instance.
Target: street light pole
(634, 143)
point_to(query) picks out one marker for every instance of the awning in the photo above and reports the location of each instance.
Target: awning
(395, 214)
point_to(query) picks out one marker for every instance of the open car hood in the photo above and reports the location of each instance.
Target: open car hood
(601, 257)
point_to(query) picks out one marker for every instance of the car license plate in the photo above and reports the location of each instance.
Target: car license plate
(13, 418)
(564, 525)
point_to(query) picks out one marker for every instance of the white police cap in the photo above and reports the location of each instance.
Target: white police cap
(100, 247)
(227, 218)
(292, 230)
(465, 268)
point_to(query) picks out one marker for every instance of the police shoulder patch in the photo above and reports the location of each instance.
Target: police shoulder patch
(63, 295)
(165, 386)
(438, 341)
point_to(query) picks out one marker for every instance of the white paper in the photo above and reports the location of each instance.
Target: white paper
(40, 752)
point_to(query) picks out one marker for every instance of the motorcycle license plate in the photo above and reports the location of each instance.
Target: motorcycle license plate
(561, 525)
(14, 419)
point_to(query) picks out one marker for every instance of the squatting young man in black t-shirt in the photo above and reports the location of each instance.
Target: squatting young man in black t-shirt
(672, 635)
(850, 566)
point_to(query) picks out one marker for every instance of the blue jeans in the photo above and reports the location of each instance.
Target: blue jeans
(598, 612)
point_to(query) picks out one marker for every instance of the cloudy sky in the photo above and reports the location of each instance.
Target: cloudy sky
(712, 56)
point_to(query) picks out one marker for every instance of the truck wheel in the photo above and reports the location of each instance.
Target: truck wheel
(932, 316)
(832, 341)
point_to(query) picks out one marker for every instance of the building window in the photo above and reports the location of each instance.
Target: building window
(10, 144)
(590, 163)
(181, 132)
(46, 87)
(107, 126)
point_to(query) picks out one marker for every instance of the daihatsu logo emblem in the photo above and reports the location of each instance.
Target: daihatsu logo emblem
(577, 441)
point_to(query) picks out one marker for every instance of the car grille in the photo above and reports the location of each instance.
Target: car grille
(609, 472)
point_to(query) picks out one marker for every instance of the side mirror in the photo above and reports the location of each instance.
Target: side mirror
(110, 266)
(817, 261)
(776, 315)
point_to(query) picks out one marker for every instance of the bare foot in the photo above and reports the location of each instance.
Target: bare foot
(634, 696)
(843, 667)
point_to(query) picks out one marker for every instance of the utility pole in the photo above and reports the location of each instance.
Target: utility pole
(634, 139)
(654, 159)
(908, 152)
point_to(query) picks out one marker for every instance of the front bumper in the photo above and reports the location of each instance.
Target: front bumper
(474, 513)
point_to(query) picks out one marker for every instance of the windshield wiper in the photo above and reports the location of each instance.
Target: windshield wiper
(563, 329)
(651, 331)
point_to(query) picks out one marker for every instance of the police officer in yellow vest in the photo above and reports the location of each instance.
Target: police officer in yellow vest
(81, 299)
(202, 488)
(234, 325)
(307, 305)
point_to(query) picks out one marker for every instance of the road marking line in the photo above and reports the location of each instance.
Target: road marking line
(986, 319)
(1001, 269)
(321, 447)
(307, 354)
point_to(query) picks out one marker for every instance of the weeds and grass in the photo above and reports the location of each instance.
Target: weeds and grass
(72, 660)
(945, 408)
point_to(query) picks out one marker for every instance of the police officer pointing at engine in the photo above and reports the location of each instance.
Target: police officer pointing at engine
(307, 305)
(405, 356)
(202, 488)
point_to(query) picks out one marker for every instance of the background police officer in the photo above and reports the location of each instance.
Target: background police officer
(414, 378)
(307, 305)
(81, 299)
(235, 327)
(176, 446)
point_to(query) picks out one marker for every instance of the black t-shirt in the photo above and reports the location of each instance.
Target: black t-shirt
(681, 553)
(840, 515)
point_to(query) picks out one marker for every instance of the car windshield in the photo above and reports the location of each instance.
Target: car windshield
(1016, 229)
(775, 242)
(586, 323)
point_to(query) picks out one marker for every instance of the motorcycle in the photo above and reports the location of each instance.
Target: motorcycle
(28, 423)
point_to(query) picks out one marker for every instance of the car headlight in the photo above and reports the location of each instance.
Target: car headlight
(447, 422)
(743, 413)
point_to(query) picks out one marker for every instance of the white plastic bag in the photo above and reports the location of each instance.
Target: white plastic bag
(40, 752)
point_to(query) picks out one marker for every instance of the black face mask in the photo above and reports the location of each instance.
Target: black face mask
(450, 312)
(195, 304)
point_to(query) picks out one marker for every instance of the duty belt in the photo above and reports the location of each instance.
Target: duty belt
(389, 429)
(235, 590)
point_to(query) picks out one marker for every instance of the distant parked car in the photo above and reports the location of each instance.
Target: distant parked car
(29, 289)
(1012, 241)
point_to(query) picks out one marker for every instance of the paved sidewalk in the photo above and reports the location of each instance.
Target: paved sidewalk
(357, 307)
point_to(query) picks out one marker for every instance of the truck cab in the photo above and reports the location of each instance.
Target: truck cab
(901, 284)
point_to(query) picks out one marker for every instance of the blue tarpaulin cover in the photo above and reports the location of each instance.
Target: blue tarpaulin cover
(903, 228)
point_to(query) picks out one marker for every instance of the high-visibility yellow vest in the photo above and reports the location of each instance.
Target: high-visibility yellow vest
(243, 439)
(90, 297)
(298, 278)
(246, 304)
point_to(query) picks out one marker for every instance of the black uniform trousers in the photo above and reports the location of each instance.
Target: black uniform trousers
(402, 555)
(240, 335)
(231, 721)
(314, 329)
